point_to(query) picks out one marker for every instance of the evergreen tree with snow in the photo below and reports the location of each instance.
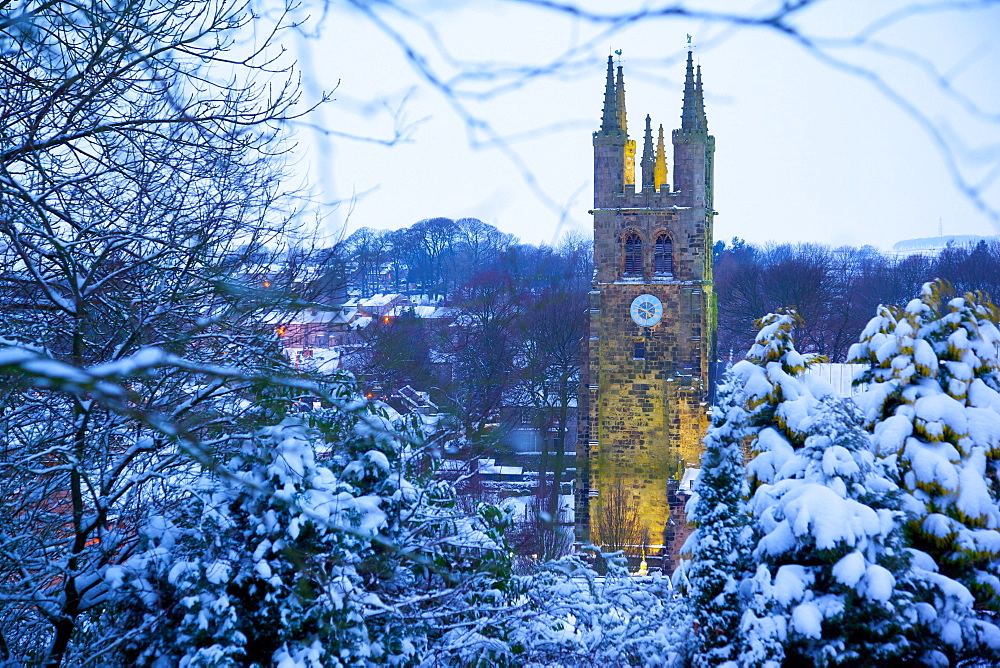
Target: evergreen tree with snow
(719, 545)
(827, 582)
(569, 615)
(777, 400)
(934, 405)
(769, 404)
(320, 544)
(832, 535)
(762, 632)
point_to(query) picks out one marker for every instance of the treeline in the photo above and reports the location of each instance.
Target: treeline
(835, 290)
(433, 256)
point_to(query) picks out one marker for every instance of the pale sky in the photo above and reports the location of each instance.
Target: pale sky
(805, 152)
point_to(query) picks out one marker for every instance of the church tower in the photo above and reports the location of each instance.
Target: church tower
(645, 374)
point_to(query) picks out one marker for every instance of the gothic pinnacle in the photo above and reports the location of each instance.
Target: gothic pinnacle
(609, 120)
(620, 101)
(700, 102)
(660, 166)
(648, 158)
(689, 113)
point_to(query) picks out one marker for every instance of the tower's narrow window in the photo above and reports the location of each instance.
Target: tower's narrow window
(639, 348)
(633, 254)
(663, 256)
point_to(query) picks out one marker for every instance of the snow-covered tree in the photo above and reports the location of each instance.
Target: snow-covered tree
(934, 406)
(319, 544)
(718, 547)
(570, 616)
(762, 631)
(828, 581)
(832, 536)
(776, 398)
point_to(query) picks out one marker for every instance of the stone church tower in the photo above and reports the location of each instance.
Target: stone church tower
(645, 374)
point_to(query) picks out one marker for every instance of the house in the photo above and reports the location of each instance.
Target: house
(383, 305)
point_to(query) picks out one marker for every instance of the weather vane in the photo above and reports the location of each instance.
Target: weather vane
(689, 44)
(618, 52)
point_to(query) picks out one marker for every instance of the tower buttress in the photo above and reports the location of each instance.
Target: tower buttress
(614, 152)
(709, 145)
(693, 147)
(700, 100)
(629, 184)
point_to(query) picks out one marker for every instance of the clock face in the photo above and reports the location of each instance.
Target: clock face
(646, 310)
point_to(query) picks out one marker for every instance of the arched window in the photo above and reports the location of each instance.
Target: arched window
(663, 256)
(633, 254)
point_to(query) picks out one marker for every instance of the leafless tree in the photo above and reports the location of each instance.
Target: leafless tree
(617, 521)
(140, 181)
(550, 334)
(482, 347)
(537, 540)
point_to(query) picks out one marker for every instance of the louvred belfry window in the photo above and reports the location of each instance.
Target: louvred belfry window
(663, 256)
(633, 254)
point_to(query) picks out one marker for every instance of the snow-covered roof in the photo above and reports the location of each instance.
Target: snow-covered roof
(839, 376)
(380, 299)
(424, 311)
(446, 312)
(490, 467)
(345, 315)
(322, 360)
(493, 469)
(306, 317)
(415, 398)
(688, 480)
(397, 310)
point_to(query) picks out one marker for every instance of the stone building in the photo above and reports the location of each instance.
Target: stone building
(645, 377)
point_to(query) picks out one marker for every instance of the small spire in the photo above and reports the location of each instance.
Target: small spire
(609, 121)
(700, 98)
(620, 101)
(660, 166)
(648, 158)
(689, 112)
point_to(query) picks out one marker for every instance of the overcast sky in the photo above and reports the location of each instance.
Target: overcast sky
(806, 151)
